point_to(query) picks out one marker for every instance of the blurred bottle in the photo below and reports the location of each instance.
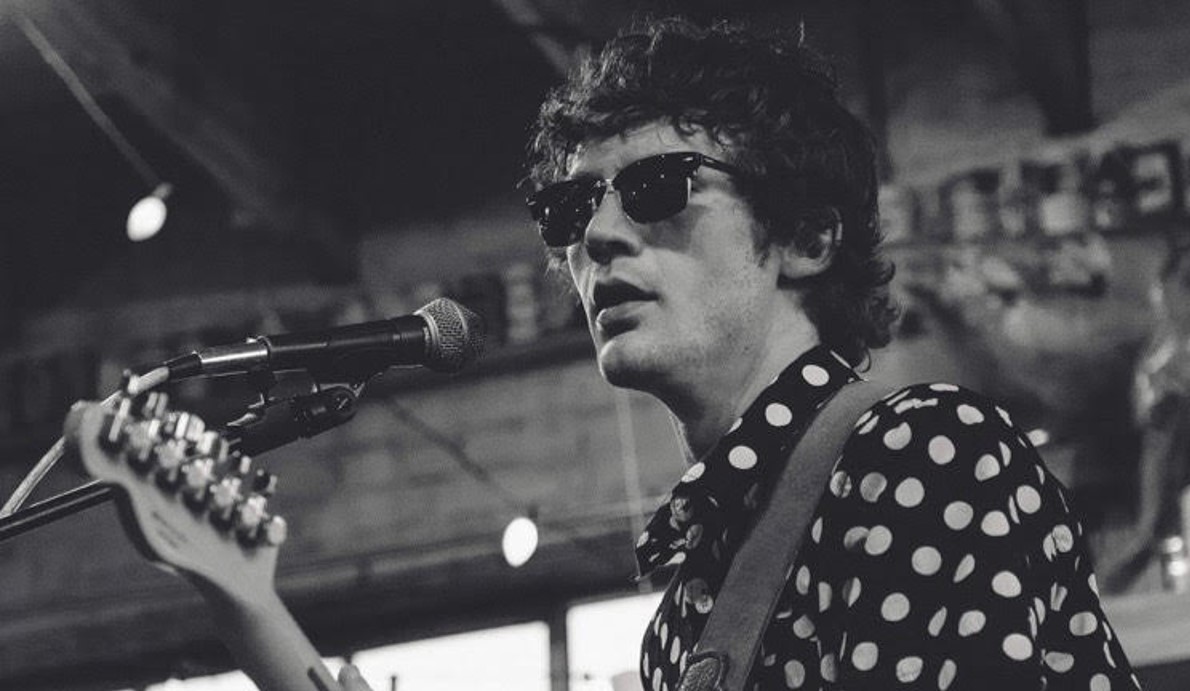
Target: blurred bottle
(1175, 566)
(520, 302)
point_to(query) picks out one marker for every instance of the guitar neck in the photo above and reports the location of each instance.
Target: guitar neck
(267, 643)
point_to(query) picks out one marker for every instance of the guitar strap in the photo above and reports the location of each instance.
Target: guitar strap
(729, 642)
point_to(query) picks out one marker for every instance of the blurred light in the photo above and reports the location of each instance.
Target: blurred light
(520, 541)
(148, 215)
(1038, 437)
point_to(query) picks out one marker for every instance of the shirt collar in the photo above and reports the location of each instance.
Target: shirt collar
(722, 490)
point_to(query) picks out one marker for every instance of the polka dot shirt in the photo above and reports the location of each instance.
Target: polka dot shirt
(942, 554)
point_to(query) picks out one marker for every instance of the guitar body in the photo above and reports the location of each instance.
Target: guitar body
(190, 507)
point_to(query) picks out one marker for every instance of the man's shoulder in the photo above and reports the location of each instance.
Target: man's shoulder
(937, 422)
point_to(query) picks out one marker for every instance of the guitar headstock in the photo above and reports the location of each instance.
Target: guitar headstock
(188, 502)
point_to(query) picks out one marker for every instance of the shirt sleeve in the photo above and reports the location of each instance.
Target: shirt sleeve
(951, 557)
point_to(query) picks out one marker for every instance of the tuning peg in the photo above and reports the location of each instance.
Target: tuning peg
(141, 441)
(249, 516)
(185, 426)
(196, 480)
(171, 454)
(154, 404)
(212, 445)
(225, 494)
(274, 530)
(112, 433)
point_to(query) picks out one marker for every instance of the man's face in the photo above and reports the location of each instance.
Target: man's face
(670, 302)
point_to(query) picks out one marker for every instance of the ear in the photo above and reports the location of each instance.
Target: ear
(813, 252)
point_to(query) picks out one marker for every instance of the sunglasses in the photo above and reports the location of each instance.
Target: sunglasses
(651, 189)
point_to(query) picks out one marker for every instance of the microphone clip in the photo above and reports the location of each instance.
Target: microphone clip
(273, 422)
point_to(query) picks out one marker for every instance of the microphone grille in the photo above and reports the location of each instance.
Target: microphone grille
(456, 335)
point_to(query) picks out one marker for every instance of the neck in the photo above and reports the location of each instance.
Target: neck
(704, 411)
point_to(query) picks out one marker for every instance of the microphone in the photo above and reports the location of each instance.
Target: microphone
(443, 336)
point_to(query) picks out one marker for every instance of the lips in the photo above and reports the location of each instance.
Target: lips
(612, 304)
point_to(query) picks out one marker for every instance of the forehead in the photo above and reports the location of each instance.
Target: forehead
(604, 157)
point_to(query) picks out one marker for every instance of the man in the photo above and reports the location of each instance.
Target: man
(715, 207)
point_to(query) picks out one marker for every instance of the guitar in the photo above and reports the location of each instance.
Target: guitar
(192, 506)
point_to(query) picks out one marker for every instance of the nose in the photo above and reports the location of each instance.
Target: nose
(611, 233)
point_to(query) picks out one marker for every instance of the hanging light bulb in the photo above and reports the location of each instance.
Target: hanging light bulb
(148, 215)
(520, 541)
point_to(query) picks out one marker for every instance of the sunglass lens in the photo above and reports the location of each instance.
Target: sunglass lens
(655, 200)
(563, 210)
(657, 187)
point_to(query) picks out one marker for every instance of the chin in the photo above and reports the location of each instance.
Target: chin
(629, 364)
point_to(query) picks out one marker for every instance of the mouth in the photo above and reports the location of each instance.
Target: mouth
(612, 305)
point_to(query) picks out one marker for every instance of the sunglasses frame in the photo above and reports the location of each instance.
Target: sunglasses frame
(590, 192)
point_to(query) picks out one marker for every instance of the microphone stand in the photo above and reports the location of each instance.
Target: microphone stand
(269, 423)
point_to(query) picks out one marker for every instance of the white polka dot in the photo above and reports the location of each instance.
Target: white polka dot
(872, 486)
(736, 425)
(898, 437)
(926, 561)
(1059, 661)
(741, 458)
(815, 375)
(816, 530)
(778, 414)
(1048, 547)
(969, 415)
(677, 558)
(964, 569)
(1083, 624)
(1093, 584)
(851, 590)
(910, 492)
(869, 425)
(1100, 682)
(994, 524)
(1028, 498)
(908, 669)
(664, 634)
(942, 386)
(803, 627)
(1057, 597)
(824, 596)
(946, 675)
(795, 674)
(1006, 584)
(958, 515)
(937, 622)
(941, 450)
(864, 656)
(675, 651)
(1004, 416)
(895, 607)
(987, 467)
(829, 668)
(1063, 538)
(1005, 454)
(840, 484)
(971, 622)
(1017, 646)
(854, 538)
(802, 580)
(878, 540)
(694, 472)
(863, 419)
(657, 679)
(1108, 656)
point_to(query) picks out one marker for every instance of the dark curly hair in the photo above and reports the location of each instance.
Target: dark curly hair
(772, 102)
